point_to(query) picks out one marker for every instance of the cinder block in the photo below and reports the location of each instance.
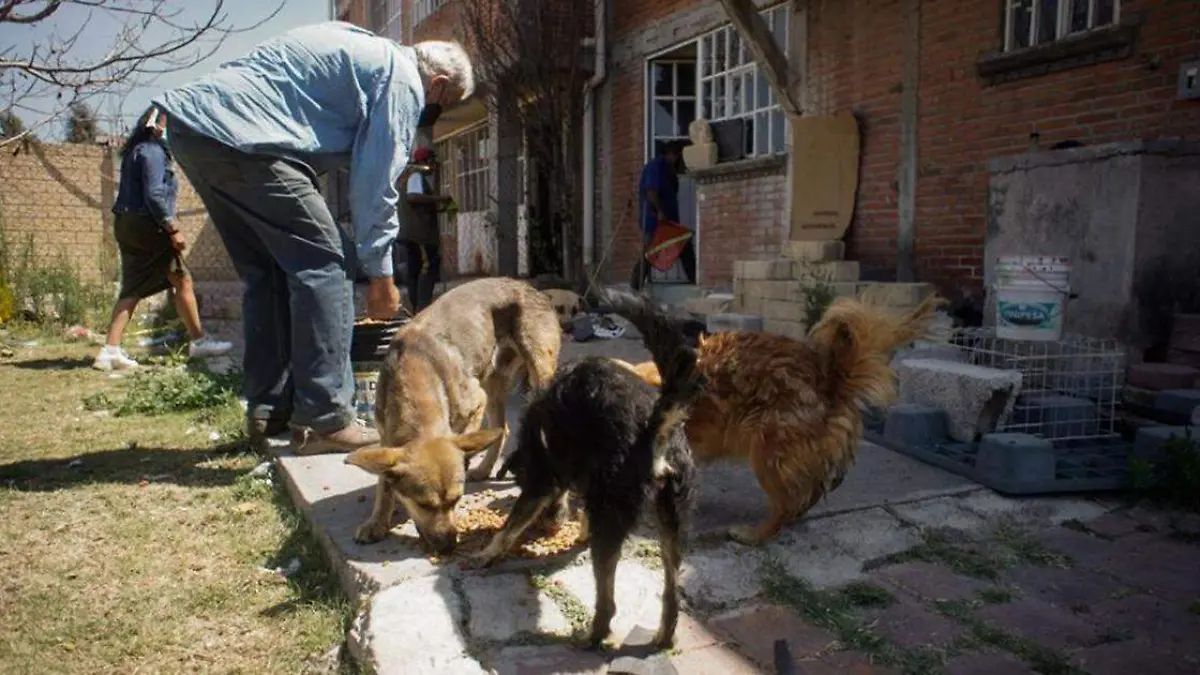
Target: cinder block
(915, 425)
(795, 330)
(830, 272)
(1054, 416)
(782, 310)
(1016, 459)
(763, 269)
(1175, 406)
(930, 350)
(791, 290)
(709, 304)
(896, 294)
(846, 289)
(749, 304)
(730, 322)
(1149, 441)
(977, 400)
(1160, 376)
(814, 251)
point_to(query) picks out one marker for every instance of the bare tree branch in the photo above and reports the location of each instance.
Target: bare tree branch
(531, 59)
(154, 37)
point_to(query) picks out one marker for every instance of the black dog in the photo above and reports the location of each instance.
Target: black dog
(601, 432)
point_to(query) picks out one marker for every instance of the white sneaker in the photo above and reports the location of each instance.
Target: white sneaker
(207, 346)
(113, 358)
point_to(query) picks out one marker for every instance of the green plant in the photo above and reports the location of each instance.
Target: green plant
(1173, 480)
(818, 293)
(47, 287)
(160, 391)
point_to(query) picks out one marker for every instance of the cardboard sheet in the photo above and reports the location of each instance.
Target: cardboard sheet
(825, 157)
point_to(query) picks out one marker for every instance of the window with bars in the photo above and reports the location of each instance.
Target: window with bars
(471, 160)
(1030, 23)
(732, 87)
(423, 8)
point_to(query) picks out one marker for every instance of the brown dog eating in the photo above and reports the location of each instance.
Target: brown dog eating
(455, 362)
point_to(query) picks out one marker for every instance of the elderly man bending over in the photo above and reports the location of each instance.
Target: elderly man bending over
(252, 137)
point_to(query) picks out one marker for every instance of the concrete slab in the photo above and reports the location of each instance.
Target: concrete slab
(414, 629)
(638, 593)
(718, 578)
(829, 552)
(507, 605)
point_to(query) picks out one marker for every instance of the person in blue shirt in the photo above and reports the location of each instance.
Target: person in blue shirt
(149, 242)
(253, 137)
(658, 200)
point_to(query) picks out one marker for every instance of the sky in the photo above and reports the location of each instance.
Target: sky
(102, 28)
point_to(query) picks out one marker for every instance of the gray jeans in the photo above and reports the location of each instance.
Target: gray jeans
(296, 263)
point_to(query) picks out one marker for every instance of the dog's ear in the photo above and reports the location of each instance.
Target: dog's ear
(477, 441)
(375, 460)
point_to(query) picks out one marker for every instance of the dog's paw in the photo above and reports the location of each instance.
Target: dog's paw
(371, 532)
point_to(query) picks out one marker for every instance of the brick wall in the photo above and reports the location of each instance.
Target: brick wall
(854, 56)
(741, 216)
(61, 196)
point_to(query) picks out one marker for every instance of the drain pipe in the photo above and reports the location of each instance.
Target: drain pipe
(600, 71)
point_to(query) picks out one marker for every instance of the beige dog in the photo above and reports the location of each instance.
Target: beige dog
(566, 304)
(455, 362)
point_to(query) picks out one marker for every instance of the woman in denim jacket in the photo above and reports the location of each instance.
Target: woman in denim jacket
(149, 242)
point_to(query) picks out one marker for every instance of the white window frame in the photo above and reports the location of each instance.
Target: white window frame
(1064, 10)
(472, 168)
(653, 99)
(422, 9)
(738, 67)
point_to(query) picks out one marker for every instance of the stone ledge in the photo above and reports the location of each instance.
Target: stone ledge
(1109, 44)
(739, 169)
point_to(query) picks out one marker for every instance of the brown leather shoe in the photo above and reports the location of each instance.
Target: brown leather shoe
(356, 435)
(259, 431)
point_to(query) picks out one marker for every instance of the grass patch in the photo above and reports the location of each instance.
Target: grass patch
(135, 544)
(996, 596)
(169, 389)
(1173, 481)
(965, 559)
(576, 613)
(1039, 658)
(833, 610)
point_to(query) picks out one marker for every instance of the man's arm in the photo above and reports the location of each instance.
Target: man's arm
(381, 152)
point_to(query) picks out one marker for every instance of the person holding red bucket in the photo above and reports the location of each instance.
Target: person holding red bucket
(664, 240)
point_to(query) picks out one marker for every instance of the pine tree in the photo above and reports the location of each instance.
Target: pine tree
(81, 125)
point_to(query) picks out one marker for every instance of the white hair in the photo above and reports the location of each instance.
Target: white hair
(441, 57)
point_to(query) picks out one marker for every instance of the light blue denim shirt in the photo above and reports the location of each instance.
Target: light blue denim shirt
(322, 90)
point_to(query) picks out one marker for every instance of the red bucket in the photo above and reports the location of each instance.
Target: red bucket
(666, 245)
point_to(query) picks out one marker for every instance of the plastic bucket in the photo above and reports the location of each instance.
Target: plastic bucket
(368, 349)
(1031, 295)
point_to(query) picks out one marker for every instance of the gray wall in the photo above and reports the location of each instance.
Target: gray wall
(1126, 214)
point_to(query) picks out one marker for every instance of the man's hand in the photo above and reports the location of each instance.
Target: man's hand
(383, 298)
(177, 241)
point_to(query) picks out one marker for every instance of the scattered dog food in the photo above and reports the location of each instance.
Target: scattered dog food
(477, 525)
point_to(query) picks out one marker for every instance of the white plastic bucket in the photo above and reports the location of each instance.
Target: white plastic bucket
(1031, 295)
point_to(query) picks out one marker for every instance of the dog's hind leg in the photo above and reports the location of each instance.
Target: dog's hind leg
(785, 501)
(496, 420)
(606, 553)
(524, 513)
(670, 532)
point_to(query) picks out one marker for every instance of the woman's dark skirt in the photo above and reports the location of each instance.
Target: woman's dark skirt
(147, 256)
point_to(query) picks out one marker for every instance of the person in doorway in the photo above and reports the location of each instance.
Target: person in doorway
(422, 237)
(658, 200)
(253, 136)
(150, 243)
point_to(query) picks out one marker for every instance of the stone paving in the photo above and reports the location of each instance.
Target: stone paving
(905, 569)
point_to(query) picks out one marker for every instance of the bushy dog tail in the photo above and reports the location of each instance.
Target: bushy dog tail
(675, 359)
(858, 338)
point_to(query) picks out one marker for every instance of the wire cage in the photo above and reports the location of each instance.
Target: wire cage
(1069, 387)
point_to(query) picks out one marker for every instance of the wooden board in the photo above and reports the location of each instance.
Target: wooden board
(825, 157)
